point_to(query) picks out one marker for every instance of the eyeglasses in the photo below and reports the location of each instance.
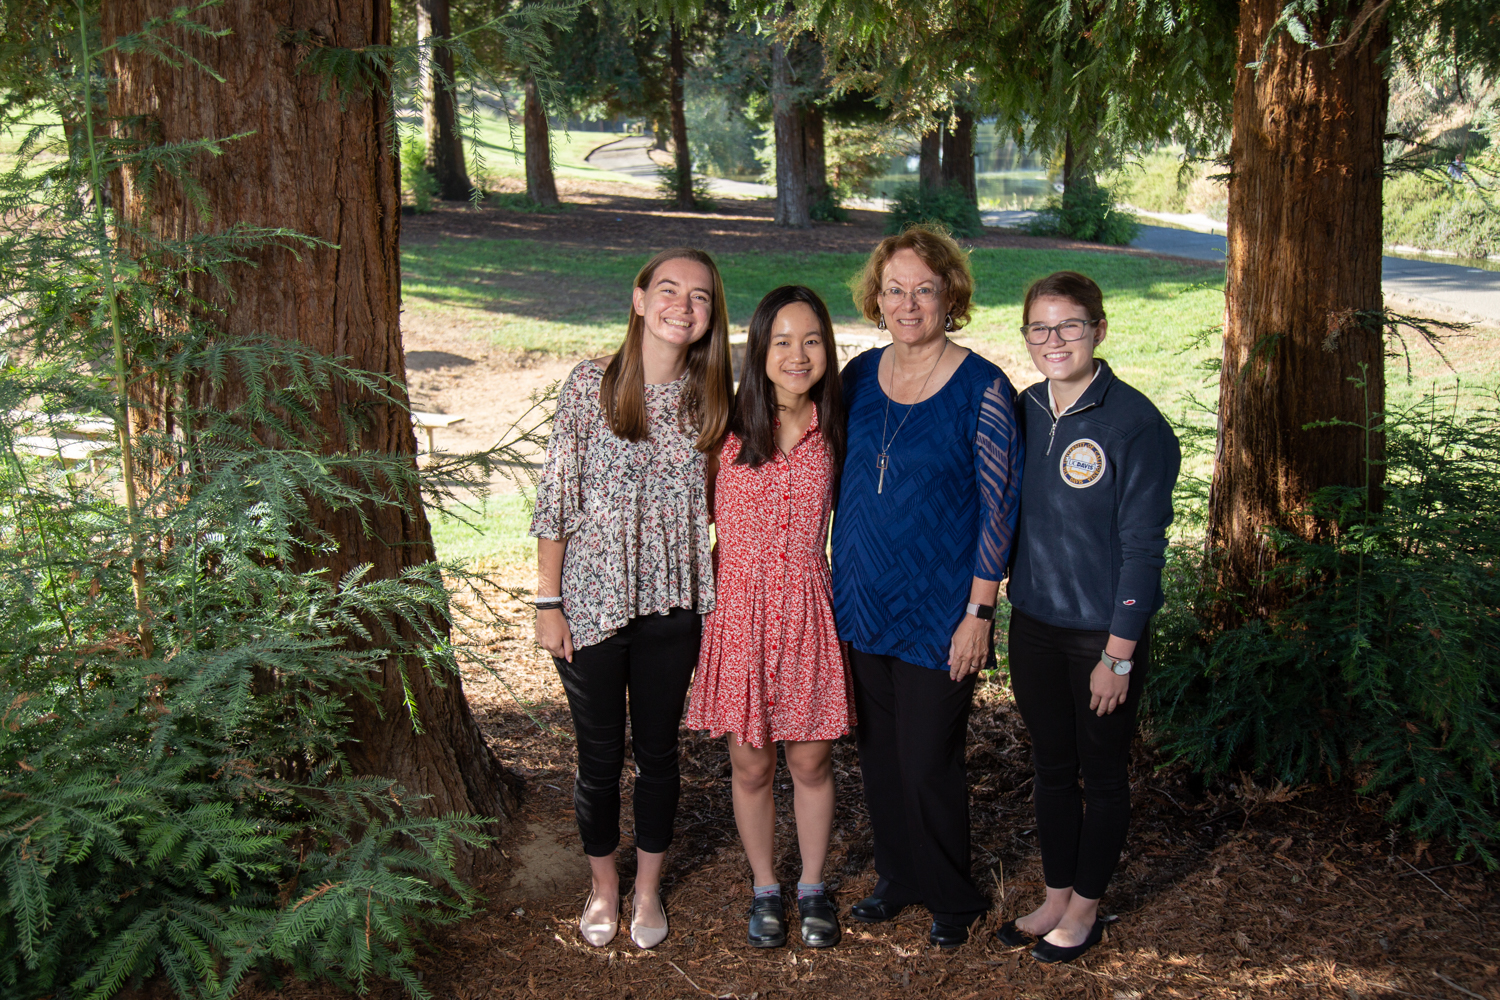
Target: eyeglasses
(923, 294)
(1038, 334)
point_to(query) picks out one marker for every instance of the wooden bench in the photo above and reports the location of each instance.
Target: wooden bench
(431, 423)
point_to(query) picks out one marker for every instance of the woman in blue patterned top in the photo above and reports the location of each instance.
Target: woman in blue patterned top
(926, 511)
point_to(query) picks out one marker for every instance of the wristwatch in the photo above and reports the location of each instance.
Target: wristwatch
(985, 611)
(1120, 665)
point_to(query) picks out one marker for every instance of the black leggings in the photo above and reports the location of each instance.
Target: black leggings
(1081, 835)
(650, 663)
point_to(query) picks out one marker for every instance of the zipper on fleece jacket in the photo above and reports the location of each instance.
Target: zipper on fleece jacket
(1052, 434)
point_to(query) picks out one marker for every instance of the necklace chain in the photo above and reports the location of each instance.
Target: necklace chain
(882, 459)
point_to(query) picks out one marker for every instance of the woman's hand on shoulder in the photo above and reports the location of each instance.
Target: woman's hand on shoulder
(553, 634)
(1107, 689)
(969, 649)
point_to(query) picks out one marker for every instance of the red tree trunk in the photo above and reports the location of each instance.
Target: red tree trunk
(445, 148)
(324, 168)
(1303, 281)
(930, 160)
(540, 184)
(817, 154)
(682, 156)
(792, 207)
(958, 155)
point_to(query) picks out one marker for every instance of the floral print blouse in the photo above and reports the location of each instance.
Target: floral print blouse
(634, 513)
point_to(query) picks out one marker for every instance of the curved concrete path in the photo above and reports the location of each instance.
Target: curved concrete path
(1467, 292)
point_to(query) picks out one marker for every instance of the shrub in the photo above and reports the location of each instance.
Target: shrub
(1383, 665)
(829, 209)
(947, 207)
(1086, 211)
(666, 183)
(416, 179)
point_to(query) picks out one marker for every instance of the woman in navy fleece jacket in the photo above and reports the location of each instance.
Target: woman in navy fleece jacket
(1096, 502)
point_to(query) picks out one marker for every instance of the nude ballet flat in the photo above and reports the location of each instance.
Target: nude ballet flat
(597, 935)
(647, 937)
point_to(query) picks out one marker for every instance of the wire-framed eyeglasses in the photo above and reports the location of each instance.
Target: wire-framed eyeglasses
(922, 295)
(1037, 334)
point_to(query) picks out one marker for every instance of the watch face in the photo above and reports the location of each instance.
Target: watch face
(1122, 667)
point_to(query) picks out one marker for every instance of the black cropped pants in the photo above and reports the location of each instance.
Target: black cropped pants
(645, 669)
(1082, 832)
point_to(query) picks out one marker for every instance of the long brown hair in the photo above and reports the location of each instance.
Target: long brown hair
(705, 399)
(755, 404)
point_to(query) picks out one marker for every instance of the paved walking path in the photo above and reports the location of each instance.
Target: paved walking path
(1468, 292)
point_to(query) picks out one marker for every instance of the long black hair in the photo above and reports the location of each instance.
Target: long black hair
(754, 420)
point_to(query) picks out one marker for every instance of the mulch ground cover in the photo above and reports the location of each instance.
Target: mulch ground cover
(610, 216)
(1227, 891)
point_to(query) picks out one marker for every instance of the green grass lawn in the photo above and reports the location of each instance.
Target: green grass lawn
(501, 152)
(494, 535)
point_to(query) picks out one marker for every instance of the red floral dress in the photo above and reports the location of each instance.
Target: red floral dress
(769, 667)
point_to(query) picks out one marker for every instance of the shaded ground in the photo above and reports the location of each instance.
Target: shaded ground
(1238, 893)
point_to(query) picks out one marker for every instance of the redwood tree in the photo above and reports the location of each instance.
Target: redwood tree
(318, 160)
(793, 209)
(1301, 344)
(445, 148)
(540, 183)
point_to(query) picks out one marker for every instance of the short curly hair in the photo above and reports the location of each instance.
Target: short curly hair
(938, 251)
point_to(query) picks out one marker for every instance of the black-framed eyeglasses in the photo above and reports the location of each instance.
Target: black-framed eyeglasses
(1037, 334)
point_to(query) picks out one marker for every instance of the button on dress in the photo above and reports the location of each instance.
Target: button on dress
(770, 667)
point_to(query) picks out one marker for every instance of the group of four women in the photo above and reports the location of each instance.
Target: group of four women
(944, 481)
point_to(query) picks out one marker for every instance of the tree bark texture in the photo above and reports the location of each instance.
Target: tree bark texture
(792, 207)
(445, 147)
(682, 162)
(1069, 164)
(541, 186)
(324, 168)
(958, 154)
(930, 160)
(817, 154)
(1303, 284)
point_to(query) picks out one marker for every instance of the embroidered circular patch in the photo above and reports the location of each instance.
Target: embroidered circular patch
(1082, 463)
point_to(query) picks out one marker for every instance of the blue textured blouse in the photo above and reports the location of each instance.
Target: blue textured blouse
(905, 558)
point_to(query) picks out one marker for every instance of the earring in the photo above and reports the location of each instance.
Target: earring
(880, 323)
(948, 324)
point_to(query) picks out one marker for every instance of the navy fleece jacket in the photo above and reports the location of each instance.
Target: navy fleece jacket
(1096, 502)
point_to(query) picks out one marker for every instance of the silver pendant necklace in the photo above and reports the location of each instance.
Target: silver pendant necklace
(882, 458)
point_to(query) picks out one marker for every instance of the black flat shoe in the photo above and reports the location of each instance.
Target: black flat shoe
(946, 935)
(874, 910)
(1012, 936)
(767, 923)
(1047, 952)
(819, 920)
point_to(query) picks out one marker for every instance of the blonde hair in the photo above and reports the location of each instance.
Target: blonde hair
(939, 251)
(707, 396)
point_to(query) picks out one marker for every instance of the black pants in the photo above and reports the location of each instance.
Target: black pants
(1081, 834)
(913, 723)
(649, 664)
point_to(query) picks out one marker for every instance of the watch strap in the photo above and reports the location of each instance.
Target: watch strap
(985, 611)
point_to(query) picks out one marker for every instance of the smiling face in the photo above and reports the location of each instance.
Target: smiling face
(1059, 360)
(797, 358)
(912, 299)
(677, 304)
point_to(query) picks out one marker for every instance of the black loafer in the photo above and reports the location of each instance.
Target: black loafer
(946, 935)
(767, 922)
(819, 920)
(1012, 936)
(874, 910)
(1047, 952)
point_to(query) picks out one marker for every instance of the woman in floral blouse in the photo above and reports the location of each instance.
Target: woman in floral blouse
(624, 573)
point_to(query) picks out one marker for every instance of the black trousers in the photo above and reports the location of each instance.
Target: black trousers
(645, 667)
(1081, 833)
(913, 724)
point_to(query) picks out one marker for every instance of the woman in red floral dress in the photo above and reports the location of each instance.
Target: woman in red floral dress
(770, 666)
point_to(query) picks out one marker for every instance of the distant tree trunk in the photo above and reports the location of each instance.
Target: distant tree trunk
(817, 155)
(445, 147)
(958, 155)
(540, 185)
(321, 166)
(1068, 164)
(683, 159)
(792, 207)
(1303, 285)
(930, 160)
